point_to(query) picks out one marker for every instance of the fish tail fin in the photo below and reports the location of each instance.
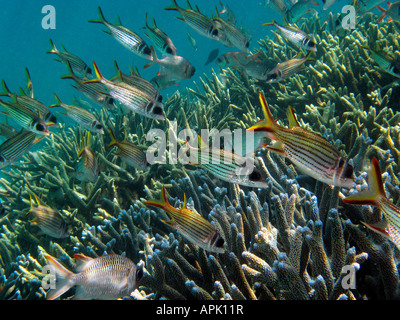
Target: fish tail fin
(53, 47)
(59, 104)
(384, 13)
(173, 7)
(292, 118)
(375, 188)
(99, 76)
(269, 23)
(71, 74)
(162, 203)
(64, 278)
(29, 84)
(114, 140)
(102, 19)
(7, 91)
(268, 123)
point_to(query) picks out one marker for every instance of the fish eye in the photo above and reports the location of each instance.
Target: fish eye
(169, 50)
(159, 99)
(2, 159)
(147, 51)
(220, 242)
(254, 176)
(39, 127)
(157, 110)
(139, 274)
(88, 70)
(311, 44)
(347, 171)
(99, 126)
(110, 101)
(247, 44)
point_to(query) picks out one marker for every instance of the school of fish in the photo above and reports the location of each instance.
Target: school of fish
(114, 276)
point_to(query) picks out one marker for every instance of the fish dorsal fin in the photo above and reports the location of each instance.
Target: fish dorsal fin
(202, 143)
(81, 261)
(184, 206)
(292, 118)
(375, 178)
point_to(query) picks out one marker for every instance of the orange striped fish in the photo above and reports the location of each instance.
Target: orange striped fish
(132, 154)
(47, 219)
(389, 226)
(190, 224)
(311, 153)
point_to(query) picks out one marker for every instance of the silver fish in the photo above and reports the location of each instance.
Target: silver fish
(129, 39)
(32, 104)
(192, 41)
(298, 10)
(107, 277)
(77, 63)
(160, 39)
(295, 36)
(15, 147)
(133, 98)
(197, 21)
(81, 116)
(233, 34)
(94, 91)
(177, 66)
(25, 117)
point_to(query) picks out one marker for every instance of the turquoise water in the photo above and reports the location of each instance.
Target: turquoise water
(25, 42)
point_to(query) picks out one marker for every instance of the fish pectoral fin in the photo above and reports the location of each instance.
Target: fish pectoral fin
(170, 222)
(276, 147)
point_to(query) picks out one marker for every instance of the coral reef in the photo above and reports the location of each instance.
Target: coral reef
(290, 240)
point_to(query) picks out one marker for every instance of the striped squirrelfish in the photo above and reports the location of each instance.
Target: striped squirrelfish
(309, 152)
(78, 65)
(135, 80)
(107, 277)
(26, 118)
(387, 62)
(94, 91)
(129, 152)
(81, 116)
(190, 224)
(295, 36)
(15, 147)
(32, 104)
(375, 196)
(160, 38)
(197, 21)
(133, 98)
(233, 34)
(177, 66)
(47, 219)
(287, 68)
(88, 167)
(129, 39)
(226, 165)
